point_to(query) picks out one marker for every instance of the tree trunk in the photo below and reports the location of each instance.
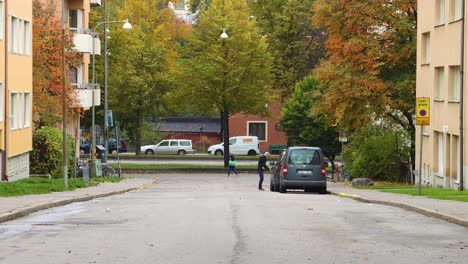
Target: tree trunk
(138, 129)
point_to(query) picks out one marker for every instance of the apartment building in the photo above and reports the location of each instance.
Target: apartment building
(16, 91)
(80, 78)
(439, 78)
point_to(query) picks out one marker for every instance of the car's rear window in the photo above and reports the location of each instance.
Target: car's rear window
(185, 143)
(304, 156)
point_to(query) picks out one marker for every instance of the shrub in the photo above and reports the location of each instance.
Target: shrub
(377, 152)
(47, 154)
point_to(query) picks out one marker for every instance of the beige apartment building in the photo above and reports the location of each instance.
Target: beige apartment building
(439, 79)
(16, 93)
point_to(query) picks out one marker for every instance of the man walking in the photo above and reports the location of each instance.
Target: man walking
(261, 167)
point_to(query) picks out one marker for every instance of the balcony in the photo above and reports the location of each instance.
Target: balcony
(83, 42)
(95, 2)
(84, 95)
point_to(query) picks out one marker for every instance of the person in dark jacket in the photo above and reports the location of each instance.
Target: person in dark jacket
(261, 167)
(232, 165)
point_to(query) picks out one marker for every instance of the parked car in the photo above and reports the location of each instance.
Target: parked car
(299, 168)
(170, 146)
(113, 146)
(243, 145)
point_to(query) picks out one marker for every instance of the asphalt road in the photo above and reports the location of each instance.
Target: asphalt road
(210, 218)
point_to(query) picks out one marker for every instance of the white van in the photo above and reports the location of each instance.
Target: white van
(244, 145)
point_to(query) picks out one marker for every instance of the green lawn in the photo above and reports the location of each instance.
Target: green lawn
(184, 157)
(435, 193)
(41, 186)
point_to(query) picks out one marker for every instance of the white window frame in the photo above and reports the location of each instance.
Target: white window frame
(2, 21)
(14, 37)
(440, 154)
(440, 12)
(454, 83)
(20, 36)
(27, 38)
(266, 129)
(79, 19)
(426, 48)
(14, 110)
(27, 110)
(457, 12)
(439, 83)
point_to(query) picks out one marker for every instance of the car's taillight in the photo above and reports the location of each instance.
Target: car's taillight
(285, 170)
(324, 172)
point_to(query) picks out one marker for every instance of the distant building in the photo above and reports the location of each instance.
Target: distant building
(201, 130)
(267, 129)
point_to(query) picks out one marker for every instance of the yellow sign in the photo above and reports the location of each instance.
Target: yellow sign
(422, 111)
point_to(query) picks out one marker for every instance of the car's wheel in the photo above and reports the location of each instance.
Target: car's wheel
(149, 151)
(181, 152)
(282, 188)
(252, 152)
(218, 152)
(323, 190)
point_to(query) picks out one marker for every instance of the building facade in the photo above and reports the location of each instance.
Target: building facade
(267, 129)
(15, 88)
(439, 78)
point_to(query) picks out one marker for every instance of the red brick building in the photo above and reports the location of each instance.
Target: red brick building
(267, 129)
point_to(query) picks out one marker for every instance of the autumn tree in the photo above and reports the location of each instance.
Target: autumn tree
(140, 61)
(47, 64)
(230, 75)
(295, 45)
(304, 126)
(369, 73)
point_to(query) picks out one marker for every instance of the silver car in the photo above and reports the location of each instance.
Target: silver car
(170, 146)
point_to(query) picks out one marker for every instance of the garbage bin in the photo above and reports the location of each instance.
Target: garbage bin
(100, 150)
(85, 173)
(96, 168)
(277, 148)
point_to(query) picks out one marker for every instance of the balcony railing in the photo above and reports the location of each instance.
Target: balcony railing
(95, 2)
(84, 95)
(83, 41)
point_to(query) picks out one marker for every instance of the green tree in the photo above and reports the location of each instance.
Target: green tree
(230, 75)
(295, 45)
(139, 63)
(303, 126)
(370, 69)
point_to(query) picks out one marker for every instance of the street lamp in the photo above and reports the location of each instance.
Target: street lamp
(126, 26)
(224, 36)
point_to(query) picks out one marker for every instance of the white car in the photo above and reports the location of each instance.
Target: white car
(170, 146)
(244, 145)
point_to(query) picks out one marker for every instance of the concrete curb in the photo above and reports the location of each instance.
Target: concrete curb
(34, 208)
(412, 208)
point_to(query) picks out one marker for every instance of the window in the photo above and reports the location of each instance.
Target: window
(164, 144)
(20, 35)
(1, 19)
(185, 143)
(27, 110)
(14, 38)
(439, 83)
(456, 10)
(174, 143)
(454, 83)
(426, 48)
(439, 153)
(75, 19)
(14, 111)
(27, 38)
(440, 12)
(257, 129)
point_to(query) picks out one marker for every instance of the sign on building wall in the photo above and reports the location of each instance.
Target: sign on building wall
(422, 111)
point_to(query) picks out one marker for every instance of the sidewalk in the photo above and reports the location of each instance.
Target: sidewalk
(15, 207)
(452, 211)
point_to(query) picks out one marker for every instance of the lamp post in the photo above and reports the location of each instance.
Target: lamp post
(225, 116)
(126, 26)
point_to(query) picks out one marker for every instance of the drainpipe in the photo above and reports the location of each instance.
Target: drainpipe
(462, 63)
(5, 99)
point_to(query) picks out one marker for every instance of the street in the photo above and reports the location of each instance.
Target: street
(211, 218)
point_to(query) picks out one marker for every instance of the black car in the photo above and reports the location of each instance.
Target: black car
(113, 146)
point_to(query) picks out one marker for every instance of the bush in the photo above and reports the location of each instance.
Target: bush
(47, 154)
(377, 152)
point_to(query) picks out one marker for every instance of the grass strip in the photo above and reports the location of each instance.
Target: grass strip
(40, 185)
(182, 157)
(179, 166)
(435, 193)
